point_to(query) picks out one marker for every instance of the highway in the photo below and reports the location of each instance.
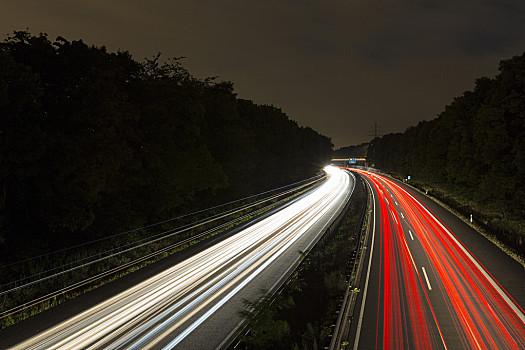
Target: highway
(195, 304)
(432, 282)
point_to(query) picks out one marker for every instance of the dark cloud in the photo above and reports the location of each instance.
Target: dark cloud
(335, 65)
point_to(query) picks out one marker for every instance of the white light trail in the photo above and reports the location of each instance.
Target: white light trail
(167, 307)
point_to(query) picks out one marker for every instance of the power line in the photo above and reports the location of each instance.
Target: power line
(375, 131)
(98, 257)
(146, 227)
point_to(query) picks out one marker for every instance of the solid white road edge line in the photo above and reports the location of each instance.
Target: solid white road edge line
(495, 285)
(362, 311)
(293, 266)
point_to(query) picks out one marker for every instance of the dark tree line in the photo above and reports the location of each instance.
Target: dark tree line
(475, 148)
(93, 142)
(356, 151)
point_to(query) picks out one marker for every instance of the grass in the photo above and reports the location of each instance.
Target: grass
(301, 314)
(508, 233)
(122, 265)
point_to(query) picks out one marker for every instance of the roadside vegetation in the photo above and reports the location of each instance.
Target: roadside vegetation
(472, 156)
(51, 279)
(302, 314)
(93, 143)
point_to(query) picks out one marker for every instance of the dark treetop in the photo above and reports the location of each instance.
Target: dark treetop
(93, 142)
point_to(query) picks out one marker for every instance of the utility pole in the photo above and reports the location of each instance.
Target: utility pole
(375, 131)
(375, 134)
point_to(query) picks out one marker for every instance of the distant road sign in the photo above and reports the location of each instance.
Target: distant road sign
(352, 161)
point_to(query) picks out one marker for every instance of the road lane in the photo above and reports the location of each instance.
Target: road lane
(167, 310)
(430, 290)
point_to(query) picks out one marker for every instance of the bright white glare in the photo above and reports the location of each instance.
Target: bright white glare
(175, 302)
(331, 170)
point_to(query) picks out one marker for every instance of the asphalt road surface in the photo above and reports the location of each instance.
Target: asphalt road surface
(432, 282)
(195, 304)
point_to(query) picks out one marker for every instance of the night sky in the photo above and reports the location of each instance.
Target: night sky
(336, 66)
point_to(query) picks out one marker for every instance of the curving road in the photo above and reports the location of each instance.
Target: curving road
(196, 303)
(432, 282)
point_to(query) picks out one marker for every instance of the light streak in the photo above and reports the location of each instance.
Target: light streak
(169, 306)
(475, 310)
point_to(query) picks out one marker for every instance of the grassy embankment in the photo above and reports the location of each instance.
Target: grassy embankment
(77, 282)
(301, 314)
(505, 231)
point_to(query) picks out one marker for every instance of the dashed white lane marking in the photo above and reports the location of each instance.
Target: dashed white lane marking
(402, 215)
(426, 278)
(501, 292)
(393, 216)
(410, 233)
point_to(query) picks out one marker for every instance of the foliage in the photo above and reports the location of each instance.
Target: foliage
(301, 315)
(475, 149)
(357, 151)
(94, 142)
(267, 329)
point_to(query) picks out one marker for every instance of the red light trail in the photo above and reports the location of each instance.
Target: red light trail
(433, 293)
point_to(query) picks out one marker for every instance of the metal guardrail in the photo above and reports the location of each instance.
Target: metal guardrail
(232, 341)
(34, 302)
(341, 332)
